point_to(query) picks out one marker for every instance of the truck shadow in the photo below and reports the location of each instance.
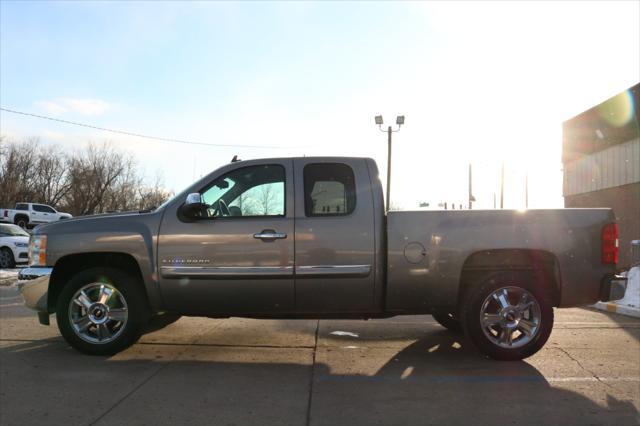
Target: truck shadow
(438, 379)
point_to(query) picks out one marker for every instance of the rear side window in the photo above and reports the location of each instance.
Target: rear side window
(329, 190)
(21, 206)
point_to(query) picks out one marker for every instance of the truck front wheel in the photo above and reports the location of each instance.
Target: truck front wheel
(509, 316)
(102, 311)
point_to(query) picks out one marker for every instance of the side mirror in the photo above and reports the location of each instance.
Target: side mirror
(193, 198)
(193, 207)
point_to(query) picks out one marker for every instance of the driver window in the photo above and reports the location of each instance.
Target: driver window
(247, 192)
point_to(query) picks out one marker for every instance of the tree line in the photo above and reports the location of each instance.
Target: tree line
(96, 179)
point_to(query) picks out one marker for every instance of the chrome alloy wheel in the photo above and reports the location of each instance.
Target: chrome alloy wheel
(510, 317)
(98, 313)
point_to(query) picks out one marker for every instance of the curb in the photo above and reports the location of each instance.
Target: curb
(632, 311)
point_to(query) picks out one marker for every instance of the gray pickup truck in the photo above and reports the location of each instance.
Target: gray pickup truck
(310, 238)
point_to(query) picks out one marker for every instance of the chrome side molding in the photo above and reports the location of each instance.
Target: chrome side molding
(226, 271)
(333, 270)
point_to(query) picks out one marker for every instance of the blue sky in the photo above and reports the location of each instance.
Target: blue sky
(482, 82)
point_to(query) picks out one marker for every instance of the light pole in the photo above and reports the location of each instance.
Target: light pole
(399, 122)
(472, 199)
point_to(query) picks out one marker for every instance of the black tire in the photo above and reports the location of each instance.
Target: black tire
(6, 258)
(22, 222)
(448, 321)
(472, 308)
(137, 310)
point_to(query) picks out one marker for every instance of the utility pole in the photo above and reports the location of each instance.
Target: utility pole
(389, 131)
(526, 190)
(471, 197)
(502, 186)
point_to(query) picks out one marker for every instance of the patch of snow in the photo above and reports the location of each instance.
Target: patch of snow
(632, 295)
(8, 276)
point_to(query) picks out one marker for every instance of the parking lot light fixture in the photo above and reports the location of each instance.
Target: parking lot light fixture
(399, 122)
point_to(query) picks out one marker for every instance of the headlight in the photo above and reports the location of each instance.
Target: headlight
(38, 250)
(21, 244)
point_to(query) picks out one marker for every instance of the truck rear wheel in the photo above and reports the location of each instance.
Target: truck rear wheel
(102, 311)
(21, 221)
(448, 321)
(509, 316)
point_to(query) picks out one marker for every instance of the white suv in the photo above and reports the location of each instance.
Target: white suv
(14, 244)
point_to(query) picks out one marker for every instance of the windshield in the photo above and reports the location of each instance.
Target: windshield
(12, 231)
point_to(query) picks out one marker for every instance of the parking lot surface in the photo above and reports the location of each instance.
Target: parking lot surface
(403, 370)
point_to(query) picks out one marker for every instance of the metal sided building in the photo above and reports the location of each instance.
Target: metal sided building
(601, 158)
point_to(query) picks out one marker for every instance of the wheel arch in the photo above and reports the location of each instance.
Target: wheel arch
(69, 265)
(17, 217)
(482, 265)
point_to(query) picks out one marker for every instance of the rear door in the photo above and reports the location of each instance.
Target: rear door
(39, 213)
(335, 236)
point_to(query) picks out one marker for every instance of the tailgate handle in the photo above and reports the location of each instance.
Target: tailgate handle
(269, 235)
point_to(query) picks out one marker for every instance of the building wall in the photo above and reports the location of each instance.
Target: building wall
(609, 123)
(601, 157)
(625, 201)
(614, 166)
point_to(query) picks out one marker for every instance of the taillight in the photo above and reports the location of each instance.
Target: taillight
(610, 244)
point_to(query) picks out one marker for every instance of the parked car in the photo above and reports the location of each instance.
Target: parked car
(28, 215)
(14, 243)
(310, 238)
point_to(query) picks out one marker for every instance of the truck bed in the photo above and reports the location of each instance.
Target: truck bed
(428, 251)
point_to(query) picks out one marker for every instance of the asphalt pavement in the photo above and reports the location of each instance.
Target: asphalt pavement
(398, 371)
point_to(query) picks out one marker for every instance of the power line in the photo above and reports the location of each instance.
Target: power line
(139, 135)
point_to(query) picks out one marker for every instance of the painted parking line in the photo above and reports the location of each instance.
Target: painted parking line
(477, 379)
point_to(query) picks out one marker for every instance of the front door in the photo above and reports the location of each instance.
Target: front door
(239, 257)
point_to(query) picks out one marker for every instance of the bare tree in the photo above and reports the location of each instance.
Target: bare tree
(51, 182)
(267, 199)
(94, 175)
(17, 162)
(152, 196)
(94, 180)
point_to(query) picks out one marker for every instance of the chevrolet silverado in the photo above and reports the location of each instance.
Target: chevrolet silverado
(310, 238)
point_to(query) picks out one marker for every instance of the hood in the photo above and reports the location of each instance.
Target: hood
(11, 240)
(86, 222)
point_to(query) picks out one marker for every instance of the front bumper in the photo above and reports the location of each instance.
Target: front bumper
(34, 288)
(21, 256)
(613, 287)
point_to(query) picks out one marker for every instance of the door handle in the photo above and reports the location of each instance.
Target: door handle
(269, 235)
